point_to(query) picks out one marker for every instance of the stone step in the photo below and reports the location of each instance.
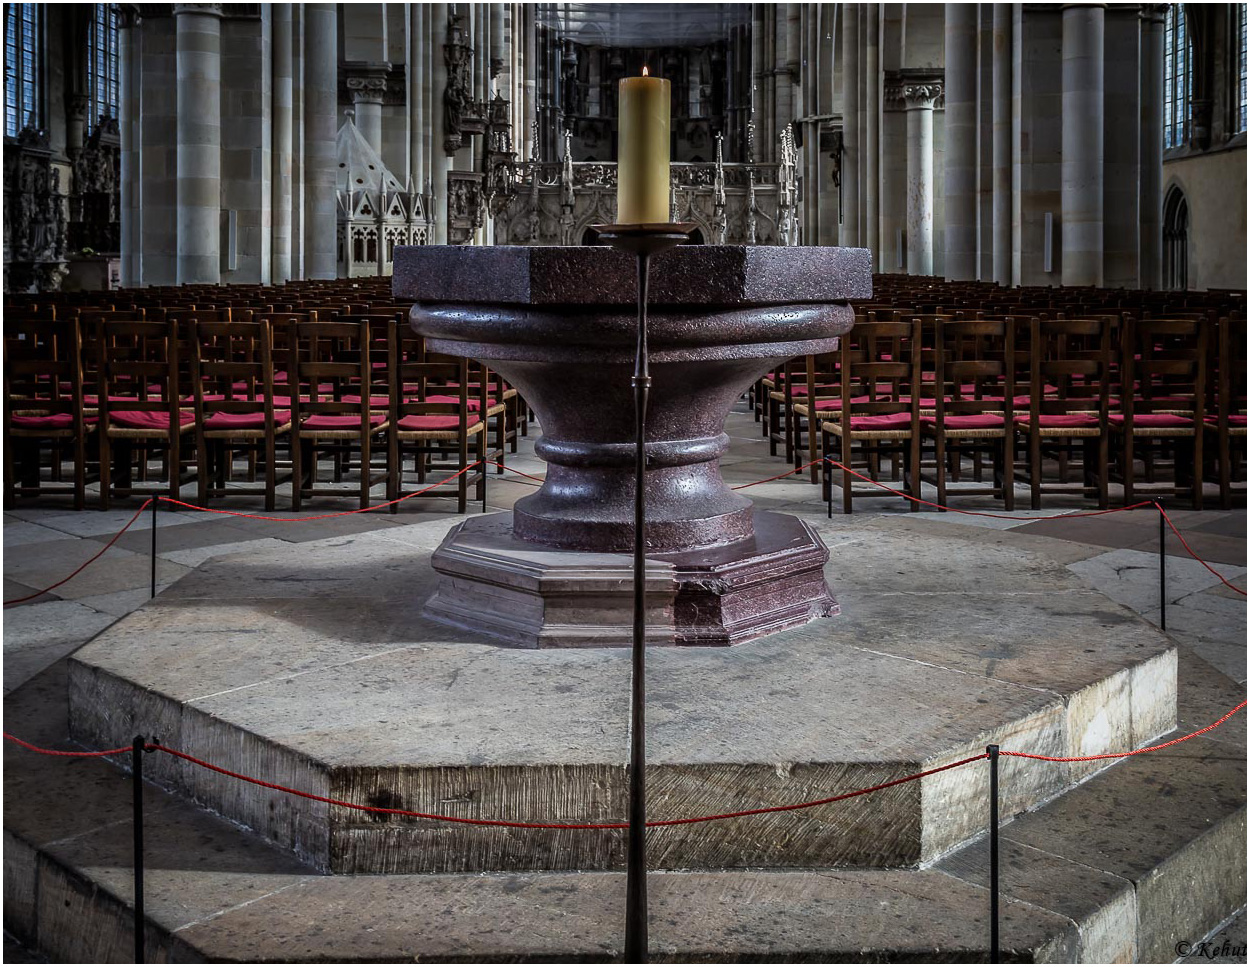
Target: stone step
(323, 674)
(1138, 858)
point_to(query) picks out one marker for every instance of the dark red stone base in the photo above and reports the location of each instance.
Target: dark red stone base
(530, 596)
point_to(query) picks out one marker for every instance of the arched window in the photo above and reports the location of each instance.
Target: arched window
(1239, 39)
(102, 64)
(23, 67)
(1178, 73)
(1175, 240)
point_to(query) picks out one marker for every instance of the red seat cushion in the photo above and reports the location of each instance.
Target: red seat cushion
(1154, 420)
(50, 421)
(1062, 420)
(379, 401)
(92, 400)
(431, 421)
(244, 421)
(333, 421)
(148, 420)
(801, 390)
(456, 399)
(968, 421)
(884, 421)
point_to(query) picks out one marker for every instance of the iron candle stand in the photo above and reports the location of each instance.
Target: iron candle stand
(643, 241)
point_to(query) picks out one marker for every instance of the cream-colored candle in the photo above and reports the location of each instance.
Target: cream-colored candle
(643, 151)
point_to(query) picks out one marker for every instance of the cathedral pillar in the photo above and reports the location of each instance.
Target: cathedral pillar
(418, 120)
(440, 161)
(961, 141)
(869, 234)
(1001, 234)
(1081, 171)
(1151, 140)
(850, 125)
(128, 127)
(367, 86)
(320, 128)
(198, 45)
(919, 99)
(281, 179)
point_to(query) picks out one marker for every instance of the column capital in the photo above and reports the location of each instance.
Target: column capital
(1154, 13)
(922, 95)
(204, 9)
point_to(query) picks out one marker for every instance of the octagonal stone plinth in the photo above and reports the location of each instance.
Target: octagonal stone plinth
(538, 597)
(319, 671)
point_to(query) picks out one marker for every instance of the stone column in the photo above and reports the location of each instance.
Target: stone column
(367, 86)
(297, 141)
(919, 99)
(1151, 150)
(320, 104)
(961, 141)
(281, 224)
(198, 33)
(850, 125)
(418, 51)
(129, 56)
(1001, 241)
(1081, 174)
(440, 161)
(497, 58)
(870, 231)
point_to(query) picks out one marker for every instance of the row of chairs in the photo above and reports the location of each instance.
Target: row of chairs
(1100, 394)
(278, 390)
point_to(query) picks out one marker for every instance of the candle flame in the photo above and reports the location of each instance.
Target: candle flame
(645, 72)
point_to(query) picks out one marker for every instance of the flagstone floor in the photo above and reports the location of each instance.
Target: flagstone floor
(1116, 554)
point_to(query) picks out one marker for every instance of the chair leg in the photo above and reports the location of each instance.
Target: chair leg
(1007, 471)
(462, 488)
(847, 495)
(106, 470)
(1035, 470)
(1104, 470)
(940, 458)
(365, 460)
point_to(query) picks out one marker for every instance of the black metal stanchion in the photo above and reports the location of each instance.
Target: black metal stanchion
(993, 754)
(829, 486)
(155, 501)
(136, 776)
(643, 241)
(1163, 567)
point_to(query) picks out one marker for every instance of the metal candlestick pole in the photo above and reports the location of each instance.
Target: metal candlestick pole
(643, 241)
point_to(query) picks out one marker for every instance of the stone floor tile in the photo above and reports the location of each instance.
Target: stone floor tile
(41, 565)
(1132, 577)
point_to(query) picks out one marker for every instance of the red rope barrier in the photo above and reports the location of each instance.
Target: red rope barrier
(978, 513)
(69, 755)
(1190, 550)
(341, 513)
(1123, 755)
(788, 473)
(686, 821)
(147, 503)
(519, 473)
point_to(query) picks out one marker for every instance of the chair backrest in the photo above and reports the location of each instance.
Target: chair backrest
(880, 367)
(1072, 364)
(137, 367)
(325, 362)
(1163, 366)
(231, 368)
(974, 367)
(43, 366)
(424, 384)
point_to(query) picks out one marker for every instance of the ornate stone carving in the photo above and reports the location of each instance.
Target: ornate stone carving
(466, 205)
(835, 155)
(95, 202)
(367, 88)
(34, 215)
(913, 88)
(922, 95)
(458, 94)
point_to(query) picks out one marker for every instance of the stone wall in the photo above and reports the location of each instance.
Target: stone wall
(1214, 184)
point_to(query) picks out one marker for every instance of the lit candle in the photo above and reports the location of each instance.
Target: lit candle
(643, 150)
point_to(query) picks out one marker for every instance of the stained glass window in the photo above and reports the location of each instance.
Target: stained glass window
(102, 65)
(1177, 78)
(23, 67)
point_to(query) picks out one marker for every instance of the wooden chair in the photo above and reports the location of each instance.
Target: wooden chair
(326, 360)
(819, 395)
(1068, 402)
(1163, 379)
(43, 405)
(140, 408)
(972, 394)
(232, 381)
(434, 409)
(880, 366)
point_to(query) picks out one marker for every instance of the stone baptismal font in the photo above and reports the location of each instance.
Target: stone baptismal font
(559, 325)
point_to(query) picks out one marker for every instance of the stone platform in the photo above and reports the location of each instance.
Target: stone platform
(320, 671)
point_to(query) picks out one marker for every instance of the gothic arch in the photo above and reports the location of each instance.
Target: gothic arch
(1175, 239)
